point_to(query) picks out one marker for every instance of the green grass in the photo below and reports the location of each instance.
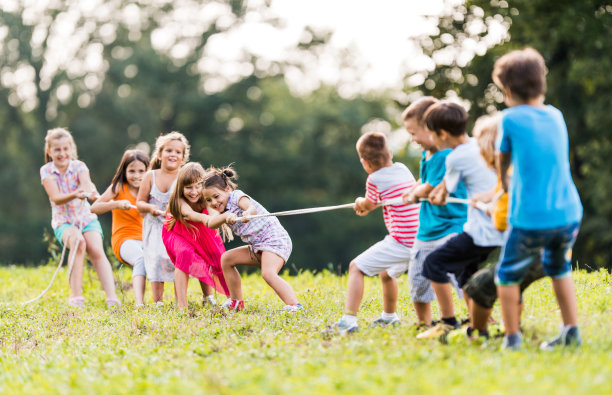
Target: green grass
(48, 347)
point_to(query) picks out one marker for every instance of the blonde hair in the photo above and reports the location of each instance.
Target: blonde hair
(162, 141)
(189, 174)
(485, 132)
(57, 134)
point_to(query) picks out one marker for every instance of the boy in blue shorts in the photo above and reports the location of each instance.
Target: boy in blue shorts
(545, 209)
(463, 254)
(437, 224)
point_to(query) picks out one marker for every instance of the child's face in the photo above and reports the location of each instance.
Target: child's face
(172, 155)
(419, 134)
(193, 192)
(60, 151)
(216, 198)
(134, 173)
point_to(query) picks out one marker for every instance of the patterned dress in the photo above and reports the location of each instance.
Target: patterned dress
(158, 265)
(263, 234)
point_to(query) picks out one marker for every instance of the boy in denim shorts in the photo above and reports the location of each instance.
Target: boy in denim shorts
(389, 257)
(545, 209)
(437, 224)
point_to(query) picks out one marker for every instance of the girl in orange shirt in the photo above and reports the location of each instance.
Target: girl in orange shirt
(120, 197)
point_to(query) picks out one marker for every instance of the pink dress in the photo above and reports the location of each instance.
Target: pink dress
(197, 251)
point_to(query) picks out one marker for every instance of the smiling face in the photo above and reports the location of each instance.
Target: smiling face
(60, 150)
(172, 155)
(134, 173)
(216, 198)
(419, 134)
(193, 192)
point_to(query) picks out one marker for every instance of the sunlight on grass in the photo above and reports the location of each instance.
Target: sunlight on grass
(48, 347)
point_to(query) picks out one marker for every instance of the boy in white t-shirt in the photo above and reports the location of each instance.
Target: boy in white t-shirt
(390, 257)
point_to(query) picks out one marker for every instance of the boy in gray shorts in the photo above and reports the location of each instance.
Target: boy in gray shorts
(437, 223)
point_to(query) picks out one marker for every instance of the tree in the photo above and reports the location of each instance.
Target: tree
(573, 38)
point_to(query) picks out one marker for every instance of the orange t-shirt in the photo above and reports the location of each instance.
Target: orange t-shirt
(127, 224)
(499, 213)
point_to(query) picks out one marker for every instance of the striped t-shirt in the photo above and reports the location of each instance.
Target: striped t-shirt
(391, 182)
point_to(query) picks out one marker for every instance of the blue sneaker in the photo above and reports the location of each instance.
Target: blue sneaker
(512, 342)
(569, 337)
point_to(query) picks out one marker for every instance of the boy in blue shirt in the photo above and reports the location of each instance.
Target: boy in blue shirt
(437, 224)
(545, 209)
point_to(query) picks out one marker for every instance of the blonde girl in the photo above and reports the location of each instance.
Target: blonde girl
(120, 198)
(193, 248)
(269, 243)
(67, 183)
(171, 151)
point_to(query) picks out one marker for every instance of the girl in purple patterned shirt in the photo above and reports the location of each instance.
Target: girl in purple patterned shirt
(269, 243)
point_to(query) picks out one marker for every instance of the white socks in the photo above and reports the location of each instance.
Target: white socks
(388, 316)
(349, 319)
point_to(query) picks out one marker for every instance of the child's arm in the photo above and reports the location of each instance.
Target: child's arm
(106, 202)
(142, 201)
(363, 206)
(503, 160)
(245, 204)
(439, 194)
(192, 215)
(420, 190)
(216, 220)
(88, 186)
(59, 198)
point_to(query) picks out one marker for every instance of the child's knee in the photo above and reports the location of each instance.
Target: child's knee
(269, 275)
(226, 262)
(353, 268)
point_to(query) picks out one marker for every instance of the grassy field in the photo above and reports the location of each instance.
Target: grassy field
(49, 347)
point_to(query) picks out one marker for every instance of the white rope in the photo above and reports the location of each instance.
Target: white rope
(479, 205)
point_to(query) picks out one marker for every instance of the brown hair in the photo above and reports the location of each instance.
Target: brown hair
(523, 72)
(447, 116)
(162, 141)
(220, 178)
(190, 173)
(485, 131)
(129, 156)
(56, 134)
(418, 109)
(372, 147)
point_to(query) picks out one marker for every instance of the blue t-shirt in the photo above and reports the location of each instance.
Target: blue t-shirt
(542, 192)
(439, 221)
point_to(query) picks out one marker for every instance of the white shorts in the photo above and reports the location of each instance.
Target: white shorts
(387, 255)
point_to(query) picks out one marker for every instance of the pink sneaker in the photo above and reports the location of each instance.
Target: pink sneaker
(110, 302)
(233, 304)
(76, 301)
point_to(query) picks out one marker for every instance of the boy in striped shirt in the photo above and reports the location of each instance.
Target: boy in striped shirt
(390, 257)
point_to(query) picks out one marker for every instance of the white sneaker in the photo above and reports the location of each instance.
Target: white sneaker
(293, 308)
(342, 328)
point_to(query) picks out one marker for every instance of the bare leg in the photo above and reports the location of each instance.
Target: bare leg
(229, 260)
(77, 257)
(207, 290)
(181, 281)
(479, 317)
(509, 299)
(566, 297)
(100, 262)
(139, 289)
(354, 292)
(390, 292)
(157, 289)
(423, 312)
(445, 299)
(271, 264)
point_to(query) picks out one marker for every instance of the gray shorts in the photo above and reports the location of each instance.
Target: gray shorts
(387, 255)
(420, 287)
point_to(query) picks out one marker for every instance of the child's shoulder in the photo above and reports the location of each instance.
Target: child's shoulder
(397, 170)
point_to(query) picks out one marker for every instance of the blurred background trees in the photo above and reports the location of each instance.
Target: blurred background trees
(120, 73)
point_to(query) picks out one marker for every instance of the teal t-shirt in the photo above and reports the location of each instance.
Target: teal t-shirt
(436, 222)
(542, 192)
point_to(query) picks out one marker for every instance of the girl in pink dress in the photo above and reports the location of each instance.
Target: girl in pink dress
(193, 248)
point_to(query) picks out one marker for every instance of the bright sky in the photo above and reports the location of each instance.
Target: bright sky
(373, 34)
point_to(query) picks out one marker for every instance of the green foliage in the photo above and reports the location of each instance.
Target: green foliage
(51, 348)
(573, 38)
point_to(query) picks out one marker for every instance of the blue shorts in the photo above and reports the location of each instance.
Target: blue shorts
(554, 246)
(92, 226)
